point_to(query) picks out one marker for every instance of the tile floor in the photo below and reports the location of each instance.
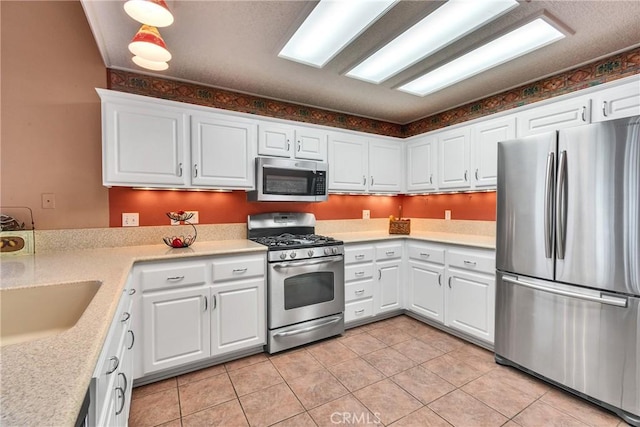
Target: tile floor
(397, 372)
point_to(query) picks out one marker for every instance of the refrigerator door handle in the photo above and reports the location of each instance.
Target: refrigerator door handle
(548, 205)
(602, 299)
(561, 205)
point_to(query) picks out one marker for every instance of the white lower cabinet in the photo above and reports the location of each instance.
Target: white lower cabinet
(470, 303)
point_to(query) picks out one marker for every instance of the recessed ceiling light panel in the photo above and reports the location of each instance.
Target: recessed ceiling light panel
(331, 26)
(525, 39)
(450, 22)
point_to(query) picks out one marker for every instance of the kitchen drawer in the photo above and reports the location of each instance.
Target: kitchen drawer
(476, 261)
(358, 272)
(358, 290)
(234, 268)
(358, 310)
(353, 254)
(388, 251)
(169, 276)
(422, 252)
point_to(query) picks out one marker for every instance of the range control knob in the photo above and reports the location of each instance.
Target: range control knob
(283, 255)
(293, 254)
(310, 253)
(334, 250)
(327, 251)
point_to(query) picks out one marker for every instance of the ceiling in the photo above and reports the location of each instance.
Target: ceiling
(234, 45)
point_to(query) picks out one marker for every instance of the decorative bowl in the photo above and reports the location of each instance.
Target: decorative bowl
(180, 215)
(181, 241)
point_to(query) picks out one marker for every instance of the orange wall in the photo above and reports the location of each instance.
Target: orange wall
(233, 207)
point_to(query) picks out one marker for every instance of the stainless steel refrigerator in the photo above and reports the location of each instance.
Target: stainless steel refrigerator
(568, 261)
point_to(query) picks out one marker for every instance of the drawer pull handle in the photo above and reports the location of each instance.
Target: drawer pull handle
(359, 292)
(132, 291)
(425, 254)
(379, 274)
(449, 282)
(360, 256)
(470, 263)
(133, 339)
(604, 108)
(359, 273)
(390, 253)
(584, 113)
(240, 270)
(206, 303)
(115, 363)
(215, 303)
(439, 279)
(126, 382)
(125, 316)
(175, 278)
(119, 411)
(357, 312)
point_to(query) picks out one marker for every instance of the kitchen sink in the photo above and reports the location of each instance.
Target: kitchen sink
(36, 312)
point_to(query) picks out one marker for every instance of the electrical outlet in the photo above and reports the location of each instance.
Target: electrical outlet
(131, 219)
(447, 215)
(48, 201)
(366, 214)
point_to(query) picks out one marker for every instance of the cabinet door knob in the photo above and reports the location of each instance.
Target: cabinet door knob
(205, 303)
(195, 170)
(439, 279)
(364, 180)
(465, 176)
(299, 146)
(119, 411)
(215, 302)
(125, 316)
(584, 113)
(604, 108)
(476, 174)
(133, 339)
(431, 179)
(179, 169)
(371, 179)
(115, 362)
(449, 282)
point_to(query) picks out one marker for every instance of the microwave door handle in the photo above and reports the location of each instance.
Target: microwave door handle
(296, 168)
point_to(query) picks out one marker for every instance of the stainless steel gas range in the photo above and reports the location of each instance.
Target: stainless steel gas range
(305, 279)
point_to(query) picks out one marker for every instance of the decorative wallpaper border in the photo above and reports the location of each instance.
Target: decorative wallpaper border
(612, 68)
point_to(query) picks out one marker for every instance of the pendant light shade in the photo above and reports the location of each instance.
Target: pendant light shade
(150, 12)
(148, 44)
(150, 65)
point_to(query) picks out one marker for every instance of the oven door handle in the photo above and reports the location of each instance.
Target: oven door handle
(308, 329)
(304, 263)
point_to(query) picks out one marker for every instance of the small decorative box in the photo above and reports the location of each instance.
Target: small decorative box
(400, 226)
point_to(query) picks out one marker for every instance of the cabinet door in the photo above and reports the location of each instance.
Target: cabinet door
(453, 155)
(385, 166)
(421, 165)
(275, 140)
(144, 145)
(223, 152)
(470, 303)
(426, 293)
(311, 144)
(554, 116)
(175, 327)
(387, 294)
(484, 147)
(347, 163)
(238, 318)
(617, 102)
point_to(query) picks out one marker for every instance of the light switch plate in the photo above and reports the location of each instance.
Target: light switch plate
(447, 215)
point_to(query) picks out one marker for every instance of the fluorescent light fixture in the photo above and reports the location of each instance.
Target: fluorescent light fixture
(331, 26)
(450, 22)
(527, 38)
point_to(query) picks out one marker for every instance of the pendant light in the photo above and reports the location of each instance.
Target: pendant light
(148, 44)
(150, 65)
(151, 12)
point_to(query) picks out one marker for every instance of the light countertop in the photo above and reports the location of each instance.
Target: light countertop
(44, 381)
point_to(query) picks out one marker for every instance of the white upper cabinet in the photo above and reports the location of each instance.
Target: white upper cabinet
(453, 158)
(484, 148)
(555, 115)
(348, 168)
(617, 102)
(143, 144)
(222, 152)
(421, 164)
(385, 166)
(292, 142)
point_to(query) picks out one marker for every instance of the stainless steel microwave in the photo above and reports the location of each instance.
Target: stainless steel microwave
(287, 180)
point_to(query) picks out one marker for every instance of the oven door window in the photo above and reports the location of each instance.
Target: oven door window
(308, 289)
(288, 182)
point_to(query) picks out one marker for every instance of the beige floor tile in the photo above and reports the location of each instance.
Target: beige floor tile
(452, 370)
(295, 364)
(301, 420)
(228, 414)
(355, 374)
(346, 410)
(424, 417)
(270, 405)
(363, 343)
(198, 395)
(351, 332)
(389, 361)
(417, 350)
(423, 384)
(317, 388)
(254, 377)
(148, 389)
(579, 408)
(331, 352)
(155, 409)
(415, 328)
(499, 395)
(173, 423)
(444, 342)
(519, 380)
(387, 400)
(541, 414)
(460, 409)
(481, 359)
(201, 374)
(389, 335)
(245, 361)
